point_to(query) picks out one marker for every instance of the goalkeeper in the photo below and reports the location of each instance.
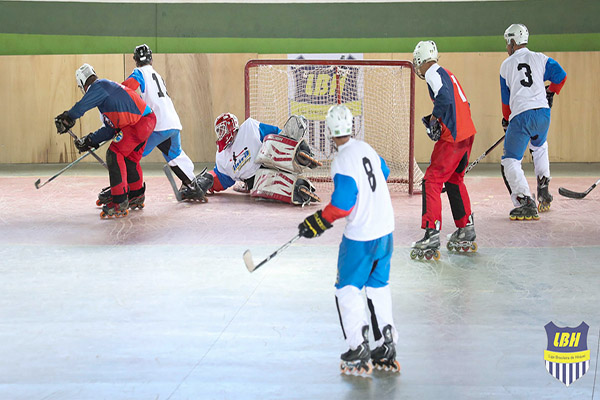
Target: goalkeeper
(267, 160)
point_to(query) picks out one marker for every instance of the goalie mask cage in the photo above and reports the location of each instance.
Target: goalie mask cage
(379, 93)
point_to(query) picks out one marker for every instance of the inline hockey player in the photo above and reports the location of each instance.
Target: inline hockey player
(266, 159)
(451, 127)
(526, 104)
(167, 133)
(361, 196)
(128, 119)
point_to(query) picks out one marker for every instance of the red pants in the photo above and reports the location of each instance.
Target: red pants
(448, 163)
(123, 158)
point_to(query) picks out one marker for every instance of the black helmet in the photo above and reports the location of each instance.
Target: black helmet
(142, 54)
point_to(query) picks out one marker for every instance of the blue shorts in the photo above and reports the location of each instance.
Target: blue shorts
(529, 125)
(169, 142)
(364, 263)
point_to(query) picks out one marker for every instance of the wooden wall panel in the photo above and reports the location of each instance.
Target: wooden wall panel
(37, 88)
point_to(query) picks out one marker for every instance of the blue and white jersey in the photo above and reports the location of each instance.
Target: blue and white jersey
(522, 79)
(154, 92)
(236, 162)
(361, 192)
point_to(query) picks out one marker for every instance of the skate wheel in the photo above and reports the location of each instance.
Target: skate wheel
(512, 217)
(420, 256)
(103, 215)
(449, 246)
(98, 203)
(437, 255)
(413, 254)
(521, 218)
(465, 248)
(474, 247)
(428, 256)
(396, 366)
(536, 217)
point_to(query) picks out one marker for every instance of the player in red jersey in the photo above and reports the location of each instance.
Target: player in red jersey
(451, 127)
(129, 121)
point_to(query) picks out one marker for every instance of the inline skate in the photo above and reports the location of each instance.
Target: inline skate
(463, 239)
(358, 361)
(526, 211)
(116, 210)
(384, 356)
(544, 197)
(428, 247)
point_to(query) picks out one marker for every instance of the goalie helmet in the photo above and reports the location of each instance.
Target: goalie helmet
(142, 54)
(82, 75)
(518, 33)
(339, 121)
(425, 51)
(226, 126)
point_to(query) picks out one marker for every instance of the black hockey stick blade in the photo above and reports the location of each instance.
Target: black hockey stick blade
(576, 195)
(37, 183)
(169, 175)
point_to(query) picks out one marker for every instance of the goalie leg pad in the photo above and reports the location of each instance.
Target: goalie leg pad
(282, 186)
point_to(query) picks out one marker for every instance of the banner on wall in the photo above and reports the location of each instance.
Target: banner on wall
(313, 89)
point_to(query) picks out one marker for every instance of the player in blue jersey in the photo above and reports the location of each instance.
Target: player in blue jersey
(124, 113)
(361, 196)
(526, 104)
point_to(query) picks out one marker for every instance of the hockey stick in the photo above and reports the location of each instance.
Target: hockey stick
(248, 256)
(485, 153)
(576, 195)
(481, 157)
(96, 156)
(169, 175)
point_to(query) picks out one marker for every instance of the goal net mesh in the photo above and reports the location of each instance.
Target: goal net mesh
(380, 95)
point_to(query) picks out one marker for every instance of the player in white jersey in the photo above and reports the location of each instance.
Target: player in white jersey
(361, 195)
(167, 133)
(250, 153)
(526, 107)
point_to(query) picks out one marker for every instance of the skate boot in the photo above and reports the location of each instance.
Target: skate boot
(196, 190)
(428, 247)
(544, 197)
(357, 361)
(116, 210)
(137, 202)
(137, 198)
(526, 211)
(463, 238)
(104, 197)
(384, 356)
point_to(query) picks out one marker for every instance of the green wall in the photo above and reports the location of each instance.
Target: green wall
(72, 28)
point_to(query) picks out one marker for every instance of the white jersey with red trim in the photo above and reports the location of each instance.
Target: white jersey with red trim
(524, 73)
(372, 216)
(237, 160)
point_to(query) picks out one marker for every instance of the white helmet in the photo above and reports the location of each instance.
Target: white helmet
(82, 75)
(518, 33)
(339, 121)
(424, 51)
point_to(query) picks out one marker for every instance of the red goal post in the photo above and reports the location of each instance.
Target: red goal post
(379, 93)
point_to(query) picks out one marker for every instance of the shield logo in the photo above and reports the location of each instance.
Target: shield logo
(567, 356)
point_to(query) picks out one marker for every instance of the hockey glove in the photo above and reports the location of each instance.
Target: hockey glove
(434, 129)
(549, 97)
(504, 124)
(63, 122)
(313, 225)
(85, 143)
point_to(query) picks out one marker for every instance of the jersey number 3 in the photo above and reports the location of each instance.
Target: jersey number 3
(527, 68)
(369, 171)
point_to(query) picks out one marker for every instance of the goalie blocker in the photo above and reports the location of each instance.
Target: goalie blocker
(286, 154)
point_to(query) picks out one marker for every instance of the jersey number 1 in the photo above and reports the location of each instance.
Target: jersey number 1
(160, 92)
(369, 170)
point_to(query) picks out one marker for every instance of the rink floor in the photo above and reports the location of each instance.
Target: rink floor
(159, 305)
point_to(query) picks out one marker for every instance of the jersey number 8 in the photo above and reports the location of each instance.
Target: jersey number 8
(369, 170)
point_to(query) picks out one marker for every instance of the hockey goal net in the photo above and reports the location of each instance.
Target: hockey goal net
(380, 95)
